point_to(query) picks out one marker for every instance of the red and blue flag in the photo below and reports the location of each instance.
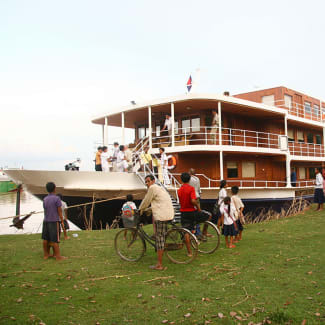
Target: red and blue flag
(189, 84)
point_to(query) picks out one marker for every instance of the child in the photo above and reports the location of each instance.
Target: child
(239, 206)
(51, 224)
(228, 222)
(64, 208)
(128, 210)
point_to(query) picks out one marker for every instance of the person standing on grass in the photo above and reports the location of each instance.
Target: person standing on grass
(162, 212)
(51, 224)
(239, 206)
(228, 221)
(98, 160)
(64, 208)
(319, 193)
(221, 196)
(195, 182)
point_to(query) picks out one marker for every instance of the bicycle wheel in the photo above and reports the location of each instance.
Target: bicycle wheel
(209, 240)
(178, 249)
(129, 245)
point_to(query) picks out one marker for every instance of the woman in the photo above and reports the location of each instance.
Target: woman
(319, 193)
(164, 166)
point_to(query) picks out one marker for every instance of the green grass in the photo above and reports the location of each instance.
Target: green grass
(277, 273)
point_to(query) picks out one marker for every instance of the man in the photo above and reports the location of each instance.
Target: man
(116, 150)
(121, 163)
(128, 156)
(293, 177)
(195, 182)
(51, 224)
(214, 126)
(168, 126)
(105, 159)
(190, 210)
(162, 212)
(98, 161)
(146, 159)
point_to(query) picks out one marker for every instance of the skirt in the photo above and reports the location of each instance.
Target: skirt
(229, 230)
(319, 196)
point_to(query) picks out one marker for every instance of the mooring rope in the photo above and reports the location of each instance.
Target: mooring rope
(71, 206)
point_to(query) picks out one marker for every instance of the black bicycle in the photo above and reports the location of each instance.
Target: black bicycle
(181, 246)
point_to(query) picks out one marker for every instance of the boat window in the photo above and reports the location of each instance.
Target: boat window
(310, 138)
(157, 130)
(291, 135)
(300, 136)
(248, 169)
(232, 169)
(312, 173)
(176, 127)
(307, 107)
(268, 100)
(302, 173)
(318, 139)
(141, 132)
(288, 101)
(186, 126)
(316, 110)
(195, 124)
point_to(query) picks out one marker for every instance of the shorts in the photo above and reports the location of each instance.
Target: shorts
(66, 224)
(98, 168)
(51, 231)
(319, 196)
(229, 230)
(127, 223)
(161, 230)
(239, 225)
(191, 218)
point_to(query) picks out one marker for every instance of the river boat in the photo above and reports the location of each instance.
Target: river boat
(262, 137)
(6, 184)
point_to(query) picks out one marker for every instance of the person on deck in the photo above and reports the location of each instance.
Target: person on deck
(319, 193)
(146, 159)
(121, 163)
(164, 166)
(105, 159)
(214, 126)
(128, 157)
(51, 224)
(293, 177)
(162, 212)
(98, 161)
(116, 150)
(168, 126)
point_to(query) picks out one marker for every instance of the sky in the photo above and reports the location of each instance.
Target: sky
(64, 62)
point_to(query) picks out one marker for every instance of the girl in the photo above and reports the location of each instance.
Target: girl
(228, 223)
(222, 194)
(239, 207)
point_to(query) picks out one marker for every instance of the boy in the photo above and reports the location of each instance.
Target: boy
(128, 210)
(239, 206)
(51, 224)
(98, 161)
(64, 208)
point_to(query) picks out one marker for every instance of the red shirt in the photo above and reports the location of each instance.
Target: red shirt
(185, 194)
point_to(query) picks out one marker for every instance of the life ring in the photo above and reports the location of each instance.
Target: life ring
(172, 162)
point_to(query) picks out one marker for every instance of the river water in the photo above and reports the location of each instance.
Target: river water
(28, 203)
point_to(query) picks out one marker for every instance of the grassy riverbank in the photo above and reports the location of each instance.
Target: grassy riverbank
(277, 273)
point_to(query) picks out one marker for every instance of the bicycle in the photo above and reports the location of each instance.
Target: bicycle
(130, 244)
(209, 240)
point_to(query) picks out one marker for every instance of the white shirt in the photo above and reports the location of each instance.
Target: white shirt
(116, 151)
(168, 124)
(237, 203)
(163, 160)
(319, 180)
(120, 156)
(63, 207)
(222, 195)
(215, 120)
(228, 219)
(195, 182)
(104, 156)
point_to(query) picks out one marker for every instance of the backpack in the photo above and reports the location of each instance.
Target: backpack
(127, 212)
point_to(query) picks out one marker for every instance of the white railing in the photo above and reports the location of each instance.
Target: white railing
(300, 110)
(306, 149)
(209, 183)
(206, 135)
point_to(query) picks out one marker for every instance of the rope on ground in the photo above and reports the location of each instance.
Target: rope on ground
(72, 206)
